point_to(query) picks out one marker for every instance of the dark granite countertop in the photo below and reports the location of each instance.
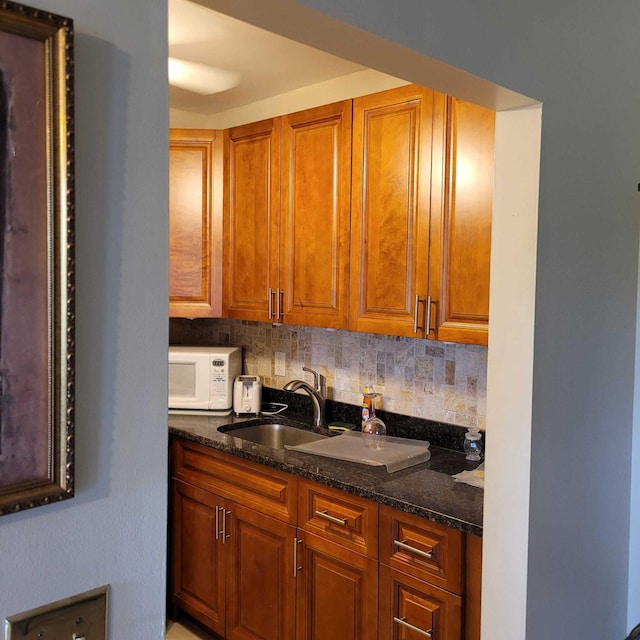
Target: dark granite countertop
(427, 490)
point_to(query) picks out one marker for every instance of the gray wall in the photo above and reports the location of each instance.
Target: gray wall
(579, 59)
(114, 530)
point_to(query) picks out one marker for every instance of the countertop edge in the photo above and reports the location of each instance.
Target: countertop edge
(373, 494)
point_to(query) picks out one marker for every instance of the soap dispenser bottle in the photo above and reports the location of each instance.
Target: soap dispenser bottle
(473, 444)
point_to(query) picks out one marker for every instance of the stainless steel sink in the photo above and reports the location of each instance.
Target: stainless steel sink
(272, 435)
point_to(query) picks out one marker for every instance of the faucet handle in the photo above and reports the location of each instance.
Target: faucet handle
(319, 381)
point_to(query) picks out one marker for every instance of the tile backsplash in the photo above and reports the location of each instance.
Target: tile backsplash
(436, 380)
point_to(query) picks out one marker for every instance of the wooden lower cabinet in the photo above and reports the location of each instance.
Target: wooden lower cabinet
(232, 567)
(337, 592)
(350, 570)
(422, 578)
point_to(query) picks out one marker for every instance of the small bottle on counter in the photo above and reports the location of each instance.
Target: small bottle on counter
(473, 444)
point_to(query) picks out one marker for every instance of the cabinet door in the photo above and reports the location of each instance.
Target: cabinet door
(198, 570)
(411, 609)
(251, 211)
(391, 174)
(314, 233)
(337, 592)
(461, 234)
(261, 582)
(195, 223)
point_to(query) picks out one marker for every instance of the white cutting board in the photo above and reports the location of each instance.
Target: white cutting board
(395, 454)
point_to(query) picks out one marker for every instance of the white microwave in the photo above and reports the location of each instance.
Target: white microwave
(201, 378)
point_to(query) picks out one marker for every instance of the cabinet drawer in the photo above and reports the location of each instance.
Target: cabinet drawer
(251, 484)
(413, 609)
(421, 548)
(344, 518)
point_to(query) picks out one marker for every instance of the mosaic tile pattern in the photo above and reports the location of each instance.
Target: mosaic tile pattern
(440, 381)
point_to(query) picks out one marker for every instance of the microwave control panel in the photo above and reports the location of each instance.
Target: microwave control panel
(219, 379)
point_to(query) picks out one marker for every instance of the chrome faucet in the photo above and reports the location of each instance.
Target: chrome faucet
(318, 394)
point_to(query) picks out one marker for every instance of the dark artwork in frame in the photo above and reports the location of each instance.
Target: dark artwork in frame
(37, 266)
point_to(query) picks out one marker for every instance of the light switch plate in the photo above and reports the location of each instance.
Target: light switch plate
(80, 617)
(281, 364)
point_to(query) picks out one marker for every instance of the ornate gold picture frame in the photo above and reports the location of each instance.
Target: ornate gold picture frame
(37, 264)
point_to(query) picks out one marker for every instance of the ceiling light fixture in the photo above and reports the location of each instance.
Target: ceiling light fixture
(200, 78)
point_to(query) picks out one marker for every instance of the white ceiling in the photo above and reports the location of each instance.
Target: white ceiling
(264, 64)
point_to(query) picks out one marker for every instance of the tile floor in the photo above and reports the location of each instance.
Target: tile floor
(185, 630)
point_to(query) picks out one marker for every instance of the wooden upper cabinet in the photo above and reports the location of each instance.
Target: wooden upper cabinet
(315, 209)
(251, 219)
(287, 218)
(195, 223)
(390, 204)
(461, 234)
(372, 215)
(422, 197)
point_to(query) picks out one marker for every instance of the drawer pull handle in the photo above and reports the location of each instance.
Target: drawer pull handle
(403, 622)
(428, 327)
(326, 516)
(269, 303)
(217, 523)
(417, 303)
(296, 568)
(410, 549)
(224, 533)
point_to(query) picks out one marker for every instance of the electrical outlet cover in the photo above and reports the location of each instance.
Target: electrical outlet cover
(83, 616)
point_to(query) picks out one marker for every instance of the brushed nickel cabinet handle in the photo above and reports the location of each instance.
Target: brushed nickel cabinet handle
(217, 522)
(279, 304)
(225, 513)
(410, 549)
(270, 303)
(296, 568)
(326, 516)
(430, 303)
(403, 622)
(416, 326)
